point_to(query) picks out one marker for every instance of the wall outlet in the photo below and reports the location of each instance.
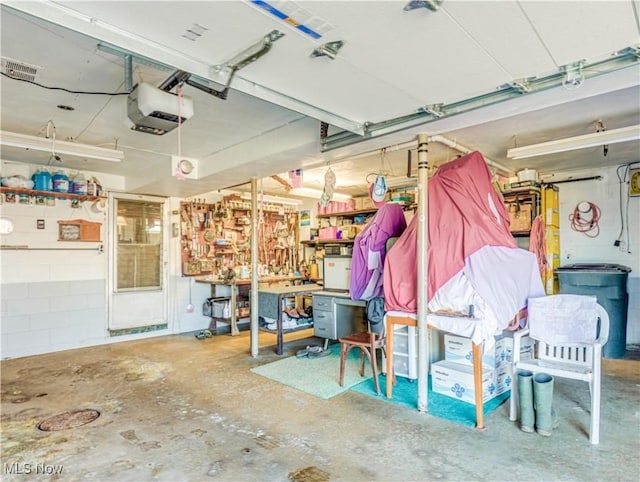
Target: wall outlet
(40, 223)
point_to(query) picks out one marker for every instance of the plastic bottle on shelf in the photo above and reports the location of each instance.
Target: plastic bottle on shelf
(42, 180)
(93, 187)
(79, 184)
(60, 182)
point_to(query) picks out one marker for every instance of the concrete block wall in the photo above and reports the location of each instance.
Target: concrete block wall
(41, 317)
(53, 293)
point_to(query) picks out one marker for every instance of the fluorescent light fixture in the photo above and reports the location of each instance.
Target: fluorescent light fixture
(272, 199)
(595, 139)
(402, 182)
(63, 148)
(316, 193)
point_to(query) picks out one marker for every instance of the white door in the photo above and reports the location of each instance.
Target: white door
(138, 268)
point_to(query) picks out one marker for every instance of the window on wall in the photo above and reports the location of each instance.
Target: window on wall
(139, 245)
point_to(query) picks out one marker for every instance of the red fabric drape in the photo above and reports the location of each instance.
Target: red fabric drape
(465, 214)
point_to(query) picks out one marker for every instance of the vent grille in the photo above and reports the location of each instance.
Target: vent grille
(19, 70)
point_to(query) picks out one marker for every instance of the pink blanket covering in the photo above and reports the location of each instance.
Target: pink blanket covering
(465, 214)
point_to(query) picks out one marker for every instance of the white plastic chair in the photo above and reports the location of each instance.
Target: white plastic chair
(569, 343)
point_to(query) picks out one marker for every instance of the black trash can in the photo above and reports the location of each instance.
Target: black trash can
(608, 282)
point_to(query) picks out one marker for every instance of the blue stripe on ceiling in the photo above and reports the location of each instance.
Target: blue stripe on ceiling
(283, 16)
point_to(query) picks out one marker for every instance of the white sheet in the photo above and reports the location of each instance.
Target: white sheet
(478, 330)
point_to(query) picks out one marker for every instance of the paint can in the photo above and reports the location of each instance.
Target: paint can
(528, 175)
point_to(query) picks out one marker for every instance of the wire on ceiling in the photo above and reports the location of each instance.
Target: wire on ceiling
(64, 89)
(623, 181)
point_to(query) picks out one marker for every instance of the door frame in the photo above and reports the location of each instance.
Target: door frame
(128, 299)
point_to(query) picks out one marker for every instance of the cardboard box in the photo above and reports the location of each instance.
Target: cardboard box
(553, 261)
(519, 217)
(552, 217)
(552, 239)
(458, 349)
(455, 380)
(330, 232)
(367, 203)
(526, 348)
(551, 197)
(504, 378)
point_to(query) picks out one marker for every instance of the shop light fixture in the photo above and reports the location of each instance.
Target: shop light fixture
(62, 148)
(316, 193)
(402, 182)
(272, 199)
(602, 138)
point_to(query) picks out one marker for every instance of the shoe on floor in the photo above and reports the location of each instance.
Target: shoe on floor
(204, 334)
(309, 351)
(319, 353)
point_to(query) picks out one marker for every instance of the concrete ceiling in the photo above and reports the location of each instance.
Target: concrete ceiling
(393, 63)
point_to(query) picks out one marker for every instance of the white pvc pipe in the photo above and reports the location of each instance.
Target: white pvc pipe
(441, 140)
(423, 271)
(254, 268)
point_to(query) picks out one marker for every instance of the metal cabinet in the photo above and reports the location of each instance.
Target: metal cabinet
(336, 315)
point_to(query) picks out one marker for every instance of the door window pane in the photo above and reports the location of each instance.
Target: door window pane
(139, 246)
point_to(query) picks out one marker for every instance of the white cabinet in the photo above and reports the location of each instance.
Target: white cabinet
(405, 352)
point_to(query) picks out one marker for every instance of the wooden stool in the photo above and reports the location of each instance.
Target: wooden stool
(368, 343)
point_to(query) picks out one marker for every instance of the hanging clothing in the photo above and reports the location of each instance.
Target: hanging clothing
(369, 251)
(538, 245)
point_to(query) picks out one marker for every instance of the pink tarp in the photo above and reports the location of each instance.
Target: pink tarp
(465, 214)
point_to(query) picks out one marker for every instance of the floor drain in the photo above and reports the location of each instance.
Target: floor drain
(72, 419)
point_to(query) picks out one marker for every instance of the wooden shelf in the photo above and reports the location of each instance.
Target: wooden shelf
(348, 213)
(314, 242)
(288, 330)
(59, 195)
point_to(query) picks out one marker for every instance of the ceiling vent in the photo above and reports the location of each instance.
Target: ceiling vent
(155, 111)
(19, 70)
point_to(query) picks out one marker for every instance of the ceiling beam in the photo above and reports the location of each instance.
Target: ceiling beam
(625, 59)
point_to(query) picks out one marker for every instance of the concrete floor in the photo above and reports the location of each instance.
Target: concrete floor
(180, 409)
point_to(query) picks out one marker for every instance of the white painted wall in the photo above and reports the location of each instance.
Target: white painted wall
(576, 247)
(52, 300)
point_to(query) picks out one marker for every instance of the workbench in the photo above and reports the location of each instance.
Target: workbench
(238, 289)
(270, 304)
